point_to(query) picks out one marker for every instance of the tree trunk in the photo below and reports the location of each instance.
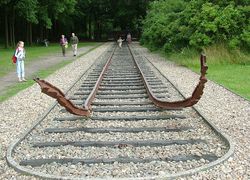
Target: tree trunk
(100, 28)
(90, 29)
(6, 28)
(85, 27)
(10, 32)
(27, 33)
(13, 29)
(41, 32)
(95, 27)
(30, 33)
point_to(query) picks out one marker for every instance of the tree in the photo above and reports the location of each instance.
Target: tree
(33, 19)
(28, 10)
(4, 4)
(176, 24)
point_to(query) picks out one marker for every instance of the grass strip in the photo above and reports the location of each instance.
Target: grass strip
(33, 53)
(43, 73)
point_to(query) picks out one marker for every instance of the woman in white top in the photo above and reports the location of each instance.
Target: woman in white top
(20, 55)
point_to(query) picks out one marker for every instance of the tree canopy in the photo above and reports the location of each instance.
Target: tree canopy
(168, 24)
(175, 24)
(31, 20)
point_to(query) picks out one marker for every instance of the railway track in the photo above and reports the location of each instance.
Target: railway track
(126, 135)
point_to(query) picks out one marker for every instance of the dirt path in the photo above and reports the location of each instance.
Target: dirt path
(33, 67)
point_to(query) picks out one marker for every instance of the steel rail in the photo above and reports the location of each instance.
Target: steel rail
(196, 95)
(89, 100)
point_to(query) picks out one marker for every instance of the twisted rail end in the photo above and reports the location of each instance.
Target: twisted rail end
(57, 94)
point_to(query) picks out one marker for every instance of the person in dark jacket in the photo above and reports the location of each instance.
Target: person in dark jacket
(74, 41)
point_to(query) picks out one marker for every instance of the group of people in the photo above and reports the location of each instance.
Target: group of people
(20, 54)
(64, 44)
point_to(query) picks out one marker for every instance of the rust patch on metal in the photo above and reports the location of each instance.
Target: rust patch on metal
(57, 94)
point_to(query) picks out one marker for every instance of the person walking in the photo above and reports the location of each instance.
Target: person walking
(64, 44)
(74, 41)
(129, 39)
(20, 56)
(120, 42)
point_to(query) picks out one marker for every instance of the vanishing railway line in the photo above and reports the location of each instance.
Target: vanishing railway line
(125, 133)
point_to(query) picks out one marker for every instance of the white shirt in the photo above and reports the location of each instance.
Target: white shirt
(20, 53)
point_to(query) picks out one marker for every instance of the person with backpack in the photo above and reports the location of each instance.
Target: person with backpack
(20, 57)
(64, 44)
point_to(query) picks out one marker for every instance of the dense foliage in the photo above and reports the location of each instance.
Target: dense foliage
(31, 20)
(175, 24)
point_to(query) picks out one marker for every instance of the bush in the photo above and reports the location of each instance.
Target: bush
(176, 24)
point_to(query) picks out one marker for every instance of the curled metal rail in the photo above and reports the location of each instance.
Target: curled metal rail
(196, 95)
(56, 93)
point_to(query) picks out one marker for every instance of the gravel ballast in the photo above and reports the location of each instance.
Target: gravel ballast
(33, 106)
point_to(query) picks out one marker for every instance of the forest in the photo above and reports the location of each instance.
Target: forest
(36, 20)
(160, 24)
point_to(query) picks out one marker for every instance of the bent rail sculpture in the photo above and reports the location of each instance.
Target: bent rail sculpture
(56, 93)
(192, 100)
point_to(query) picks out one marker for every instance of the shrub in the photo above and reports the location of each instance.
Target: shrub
(176, 24)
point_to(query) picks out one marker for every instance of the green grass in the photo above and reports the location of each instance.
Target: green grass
(32, 53)
(21, 86)
(228, 68)
(235, 77)
(12, 90)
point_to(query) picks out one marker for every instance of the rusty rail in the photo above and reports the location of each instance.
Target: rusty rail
(57, 94)
(192, 100)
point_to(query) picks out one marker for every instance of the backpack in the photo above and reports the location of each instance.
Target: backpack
(14, 58)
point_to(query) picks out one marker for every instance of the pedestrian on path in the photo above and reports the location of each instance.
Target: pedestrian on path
(20, 55)
(120, 42)
(74, 41)
(64, 44)
(129, 39)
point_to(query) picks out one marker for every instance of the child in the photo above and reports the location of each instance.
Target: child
(20, 55)
(120, 42)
